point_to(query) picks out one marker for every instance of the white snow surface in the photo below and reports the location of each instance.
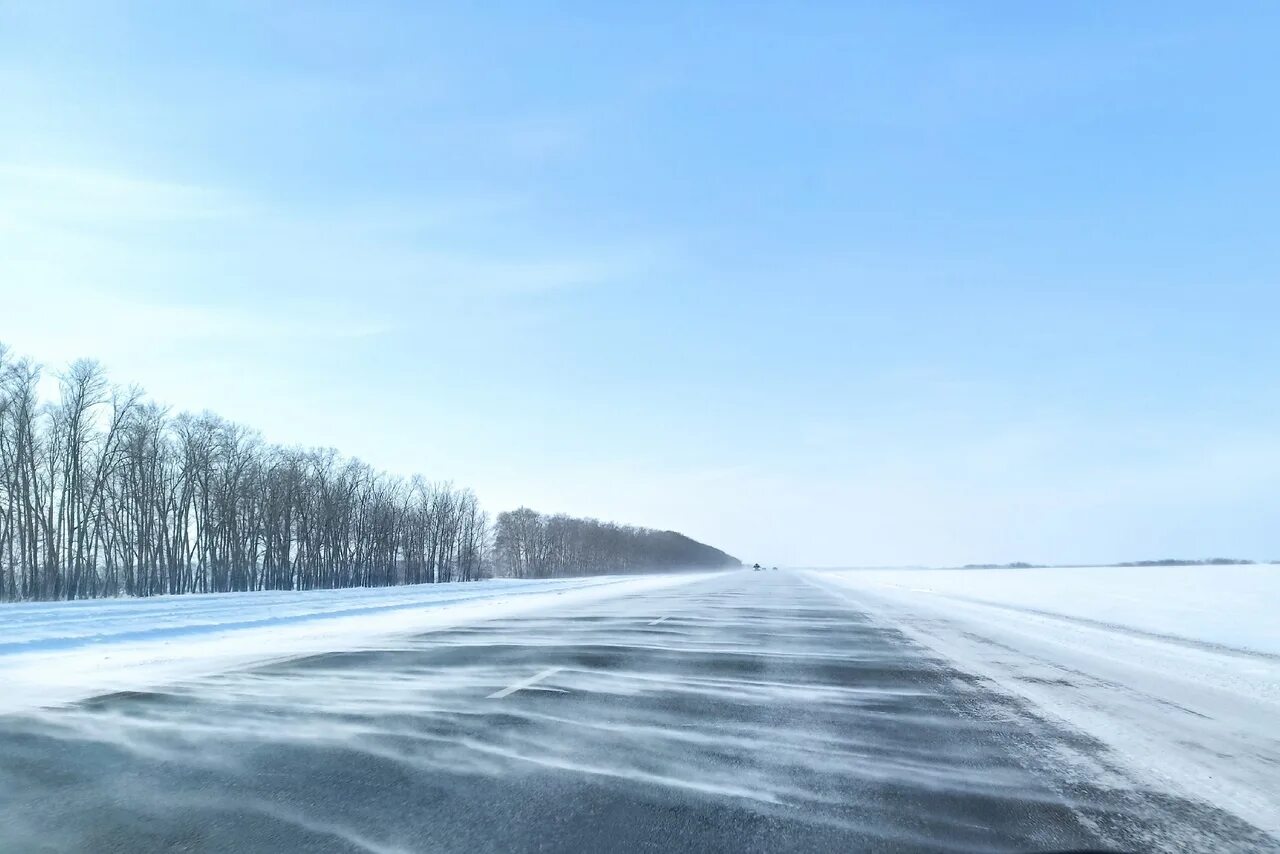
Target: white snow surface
(52, 653)
(1175, 671)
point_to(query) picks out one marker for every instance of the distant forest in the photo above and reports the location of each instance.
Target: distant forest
(1171, 561)
(528, 544)
(104, 493)
(1168, 561)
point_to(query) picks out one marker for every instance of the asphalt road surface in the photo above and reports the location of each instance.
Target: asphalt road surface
(748, 712)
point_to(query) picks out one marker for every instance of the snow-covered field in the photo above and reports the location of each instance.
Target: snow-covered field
(1229, 605)
(59, 652)
(1175, 669)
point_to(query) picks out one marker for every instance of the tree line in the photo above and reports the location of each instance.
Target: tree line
(528, 544)
(104, 493)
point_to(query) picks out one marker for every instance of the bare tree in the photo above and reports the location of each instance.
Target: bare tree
(105, 494)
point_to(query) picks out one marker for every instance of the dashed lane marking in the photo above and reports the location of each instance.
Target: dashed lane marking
(523, 683)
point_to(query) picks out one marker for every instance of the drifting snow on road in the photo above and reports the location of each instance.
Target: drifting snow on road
(57, 652)
(723, 712)
(1175, 669)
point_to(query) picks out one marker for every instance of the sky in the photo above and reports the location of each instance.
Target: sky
(819, 284)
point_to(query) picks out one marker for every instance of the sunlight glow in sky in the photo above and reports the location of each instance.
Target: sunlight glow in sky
(831, 283)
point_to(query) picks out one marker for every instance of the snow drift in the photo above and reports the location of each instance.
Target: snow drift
(1175, 669)
(58, 652)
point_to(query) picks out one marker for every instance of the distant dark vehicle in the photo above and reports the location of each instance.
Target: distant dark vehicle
(775, 569)
(755, 568)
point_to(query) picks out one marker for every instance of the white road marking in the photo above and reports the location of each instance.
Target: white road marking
(655, 622)
(523, 683)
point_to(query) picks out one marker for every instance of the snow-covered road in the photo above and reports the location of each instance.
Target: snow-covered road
(852, 710)
(1176, 670)
(59, 652)
(743, 712)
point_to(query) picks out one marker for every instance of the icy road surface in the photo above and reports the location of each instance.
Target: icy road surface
(768, 711)
(57, 652)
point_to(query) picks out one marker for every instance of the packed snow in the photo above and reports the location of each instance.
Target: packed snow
(58, 652)
(1175, 669)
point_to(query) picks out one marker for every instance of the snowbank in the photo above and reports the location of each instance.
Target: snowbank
(59, 652)
(1176, 670)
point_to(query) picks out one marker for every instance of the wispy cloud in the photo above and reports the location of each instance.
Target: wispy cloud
(102, 261)
(78, 194)
(68, 324)
(106, 224)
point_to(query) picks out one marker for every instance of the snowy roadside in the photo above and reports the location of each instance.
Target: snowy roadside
(61, 652)
(1150, 662)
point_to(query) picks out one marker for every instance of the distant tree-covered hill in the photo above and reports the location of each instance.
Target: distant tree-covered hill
(1168, 561)
(529, 544)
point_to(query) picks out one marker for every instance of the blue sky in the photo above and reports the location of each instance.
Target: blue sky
(817, 283)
